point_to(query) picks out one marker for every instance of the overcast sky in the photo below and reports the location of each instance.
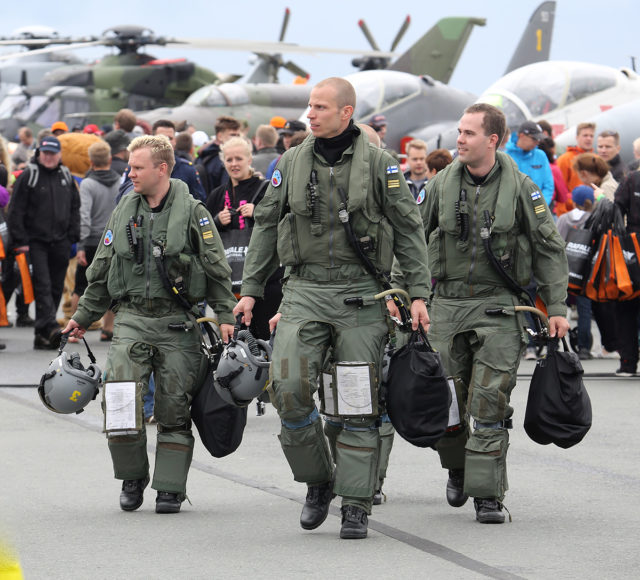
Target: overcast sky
(604, 33)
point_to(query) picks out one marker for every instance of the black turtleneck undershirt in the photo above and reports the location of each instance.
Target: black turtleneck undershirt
(333, 148)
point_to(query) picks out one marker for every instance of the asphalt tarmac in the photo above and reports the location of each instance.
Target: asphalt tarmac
(576, 512)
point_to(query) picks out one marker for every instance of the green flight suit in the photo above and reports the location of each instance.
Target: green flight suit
(322, 270)
(484, 351)
(142, 341)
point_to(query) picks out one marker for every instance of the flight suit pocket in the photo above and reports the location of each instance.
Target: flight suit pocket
(384, 245)
(195, 277)
(434, 257)
(117, 284)
(307, 453)
(288, 247)
(485, 465)
(522, 260)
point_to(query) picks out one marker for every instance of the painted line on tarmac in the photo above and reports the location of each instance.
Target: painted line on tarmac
(438, 550)
(412, 540)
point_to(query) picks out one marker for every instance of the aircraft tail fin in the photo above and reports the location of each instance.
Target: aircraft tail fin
(438, 51)
(535, 42)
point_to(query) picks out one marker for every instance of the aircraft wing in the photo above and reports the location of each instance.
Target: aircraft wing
(438, 51)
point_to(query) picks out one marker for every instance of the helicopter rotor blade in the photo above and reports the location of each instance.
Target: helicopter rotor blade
(293, 68)
(401, 32)
(367, 33)
(51, 49)
(285, 23)
(269, 47)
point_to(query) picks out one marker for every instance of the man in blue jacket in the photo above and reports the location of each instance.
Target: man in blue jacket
(523, 148)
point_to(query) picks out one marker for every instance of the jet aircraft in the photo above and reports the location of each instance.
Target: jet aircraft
(376, 89)
(624, 119)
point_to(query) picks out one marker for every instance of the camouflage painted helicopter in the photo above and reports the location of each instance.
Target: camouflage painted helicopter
(436, 51)
(130, 79)
(84, 94)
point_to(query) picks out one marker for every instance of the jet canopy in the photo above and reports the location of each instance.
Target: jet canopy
(541, 88)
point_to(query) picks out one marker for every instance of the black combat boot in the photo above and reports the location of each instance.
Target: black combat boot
(316, 506)
(455, 486)
(354, 523)
(132, 494)
(488, 510)
(24, 320)
(169, 502)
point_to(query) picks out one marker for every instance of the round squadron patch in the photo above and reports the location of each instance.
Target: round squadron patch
(276, 178)
(421, 195)
(108, 238)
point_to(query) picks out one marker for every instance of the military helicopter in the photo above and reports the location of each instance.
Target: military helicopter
(28, 68)
(84, 94)
(130, 78)
(257, 103)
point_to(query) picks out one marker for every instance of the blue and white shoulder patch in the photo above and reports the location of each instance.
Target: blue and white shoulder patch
(421, 195)
(108, 238)
(276, 178)
(535, 195)
(391, 169)
(204, 221)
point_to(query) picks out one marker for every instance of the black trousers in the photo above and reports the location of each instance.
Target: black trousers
(49, 262)
(627, 319)
(606, 316)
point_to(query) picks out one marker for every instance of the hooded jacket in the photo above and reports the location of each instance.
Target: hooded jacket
(98, 192)
(535, 164)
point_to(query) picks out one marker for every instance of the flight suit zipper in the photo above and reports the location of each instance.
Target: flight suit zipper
(474, 239)
(149, 256)
(331, 217)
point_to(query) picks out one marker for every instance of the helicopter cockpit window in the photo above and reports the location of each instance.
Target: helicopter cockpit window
(50, 115)
(588, 80)
(206, 96)
(74, 105)
(32, 107)
(11, 105)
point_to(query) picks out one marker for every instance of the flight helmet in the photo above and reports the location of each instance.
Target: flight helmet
(243, 369)
(68, 387)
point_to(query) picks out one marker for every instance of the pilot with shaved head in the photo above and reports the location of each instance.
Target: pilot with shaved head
(334, 170)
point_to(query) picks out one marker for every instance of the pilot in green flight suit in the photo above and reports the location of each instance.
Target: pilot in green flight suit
(482, 195)
(158, 225)
(299, 217)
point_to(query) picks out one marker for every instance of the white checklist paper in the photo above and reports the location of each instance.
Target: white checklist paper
(354, 389)
(454, 412)
(120, 406)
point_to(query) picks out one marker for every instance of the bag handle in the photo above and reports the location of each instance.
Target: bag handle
(553, 344)
(420, 334)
